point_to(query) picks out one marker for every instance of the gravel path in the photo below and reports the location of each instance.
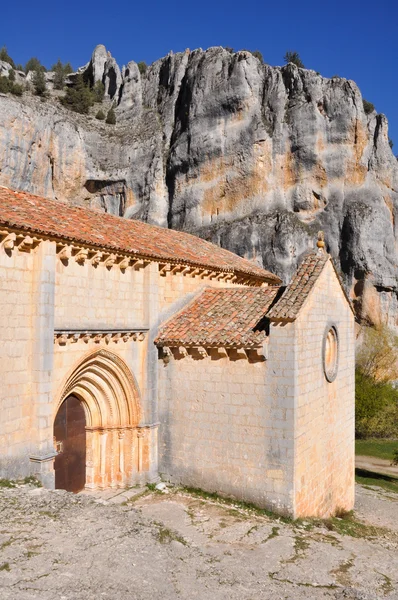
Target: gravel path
(59, 546)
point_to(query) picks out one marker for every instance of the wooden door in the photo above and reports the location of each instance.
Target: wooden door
(70, 440)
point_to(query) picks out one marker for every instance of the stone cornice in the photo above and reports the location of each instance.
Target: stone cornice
(71, 336)
(67, 251)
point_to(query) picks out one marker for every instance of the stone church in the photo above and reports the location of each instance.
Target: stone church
(131, 352)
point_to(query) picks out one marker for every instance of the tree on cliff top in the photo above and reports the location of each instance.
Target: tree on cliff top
(6, 57)
(34, 64)
(39, 83)
(60, 72)
(293, 57)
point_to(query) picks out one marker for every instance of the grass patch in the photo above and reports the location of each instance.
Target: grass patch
(377, 448)
(5, 567)
(369, 478)
(166, 535)
(347, 525)
(32, 480)
(236, 504)
(7, 483)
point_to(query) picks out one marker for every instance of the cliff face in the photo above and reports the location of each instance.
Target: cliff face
(252, 157)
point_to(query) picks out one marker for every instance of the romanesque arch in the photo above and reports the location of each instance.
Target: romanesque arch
(110, 396)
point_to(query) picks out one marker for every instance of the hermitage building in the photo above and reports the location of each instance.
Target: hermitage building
(131, 353)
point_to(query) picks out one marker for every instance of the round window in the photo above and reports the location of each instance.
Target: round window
(330, 353)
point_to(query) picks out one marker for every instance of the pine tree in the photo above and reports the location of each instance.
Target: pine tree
(39, 83)
(293, 57)
(111, 117)
(6, 57)
(78, 97)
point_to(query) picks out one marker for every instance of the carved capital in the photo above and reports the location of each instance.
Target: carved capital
(96, 259)
(110, 261)
(65, 253)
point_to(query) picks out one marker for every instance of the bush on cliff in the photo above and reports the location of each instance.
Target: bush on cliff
(142, 67)
(293, 57)
(60, 72)
(78, 98)
(34, 64)
(368, 107)
(111, 117)
(100, 115)
(6, 57)
(9, 87)
(39, 83)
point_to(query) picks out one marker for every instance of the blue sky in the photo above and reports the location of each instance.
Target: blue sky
(352, 38)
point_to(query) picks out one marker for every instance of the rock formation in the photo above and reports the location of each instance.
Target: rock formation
(253, 157)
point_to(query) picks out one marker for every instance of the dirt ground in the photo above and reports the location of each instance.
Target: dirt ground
(58, 546)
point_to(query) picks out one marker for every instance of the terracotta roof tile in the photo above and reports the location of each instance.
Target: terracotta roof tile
(220, 317)
(85, 226)
(295, 294)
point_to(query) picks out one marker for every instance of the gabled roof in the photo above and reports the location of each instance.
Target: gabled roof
(24, 211)
(290, 303)
(226, 317)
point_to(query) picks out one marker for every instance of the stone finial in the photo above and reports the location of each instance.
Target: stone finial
(321, 241)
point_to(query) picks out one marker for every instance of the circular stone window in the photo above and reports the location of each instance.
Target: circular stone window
(330, 352)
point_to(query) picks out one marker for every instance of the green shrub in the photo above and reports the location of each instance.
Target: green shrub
(11, 75)
(4, 85)
(229, 49)
(395, 458)
(6, 57)
(98, 91)
(16, 89)
(142, 67)
(293, 57)
(100, 115)
(258, 55)
(60, 72)
(79, 97)
(111, 117)
(39, 83)
(34, 64)
(368, 107)
(390, 143)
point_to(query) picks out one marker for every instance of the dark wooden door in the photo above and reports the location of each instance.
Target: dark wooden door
(70, 439)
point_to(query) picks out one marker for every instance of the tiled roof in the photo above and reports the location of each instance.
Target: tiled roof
(220, 317)
(62, 221)
(294, 296)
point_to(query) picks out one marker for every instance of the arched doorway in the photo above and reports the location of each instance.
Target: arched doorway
(70, 442)
(100, 396)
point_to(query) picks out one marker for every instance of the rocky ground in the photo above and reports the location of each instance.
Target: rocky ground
(56, 545)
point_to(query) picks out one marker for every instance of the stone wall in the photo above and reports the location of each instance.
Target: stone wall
(324, 438)
(225, 428)
(16, 409)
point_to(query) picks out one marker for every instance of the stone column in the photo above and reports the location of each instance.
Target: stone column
(43, 300)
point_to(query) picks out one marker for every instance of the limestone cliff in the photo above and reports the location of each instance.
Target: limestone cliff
(252, 157)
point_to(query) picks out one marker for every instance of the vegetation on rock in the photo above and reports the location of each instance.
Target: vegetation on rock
(292, 56)
(6, 57)
(34, 64)
(39, 83)
(142, 67)
(368, 107)
(78, 98)
(100, 115)
(111, 117)
(60, 72)
(9, 86)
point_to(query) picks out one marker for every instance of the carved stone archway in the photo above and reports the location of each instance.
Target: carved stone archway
(110, 396)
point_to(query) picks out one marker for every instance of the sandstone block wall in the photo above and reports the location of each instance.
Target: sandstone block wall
(223, 428)
(16, 409)
(324, 428)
